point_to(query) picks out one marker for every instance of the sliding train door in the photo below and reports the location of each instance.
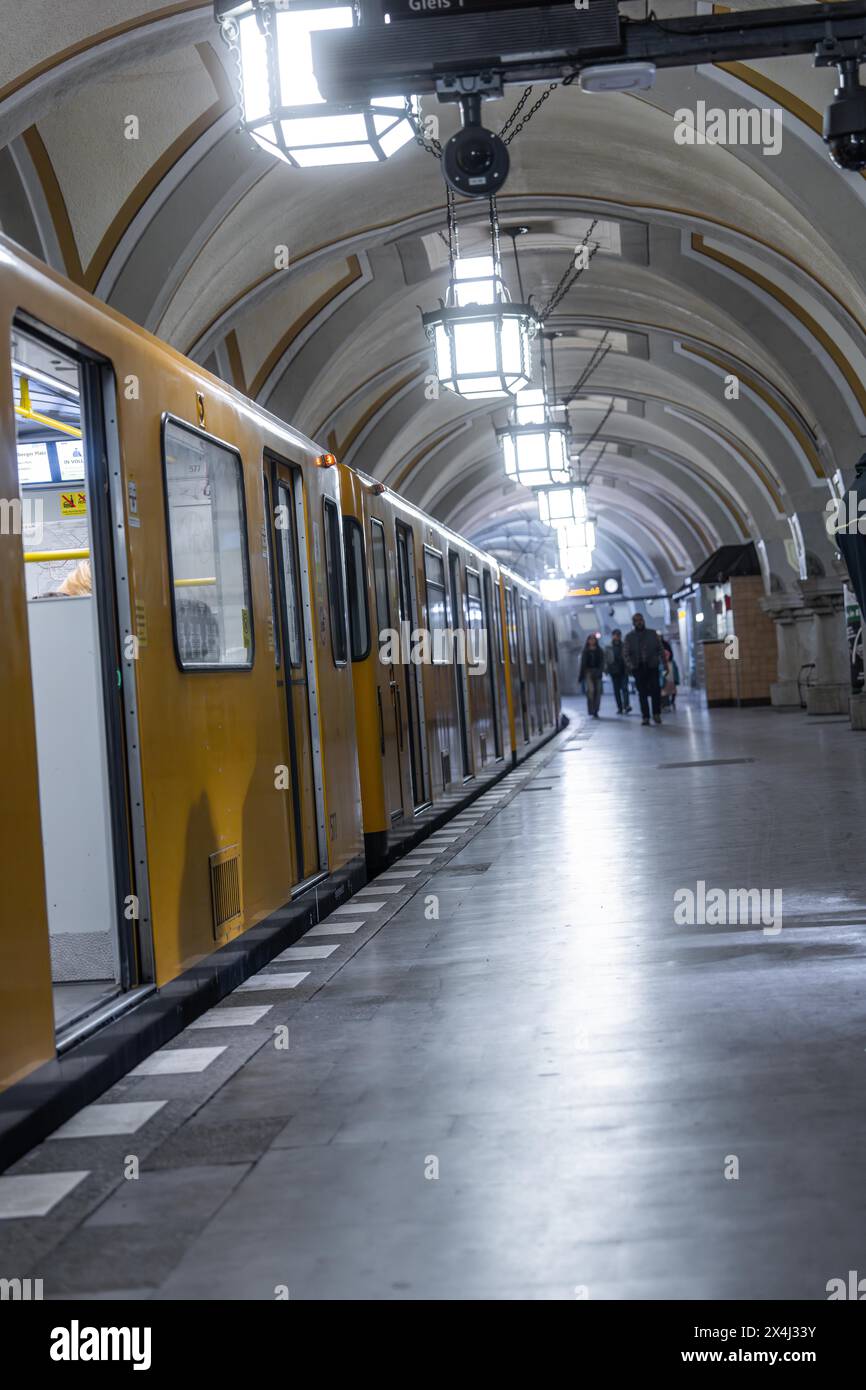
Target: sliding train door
(388, 699)
(491, 618)
(459, 664)
(414, 686)
(296, 647)
(82, 664)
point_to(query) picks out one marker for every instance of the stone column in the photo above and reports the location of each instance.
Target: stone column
(810, 628)
(786, 610)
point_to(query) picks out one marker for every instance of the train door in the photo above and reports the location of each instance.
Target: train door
(82, 661)
(526, 635)
(297, 646)
(490, 618)
(414, 686)
(390, 712)
(517, 664)
(459, 663)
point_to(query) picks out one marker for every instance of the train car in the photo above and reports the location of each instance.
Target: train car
(435, 721)
(194, 691)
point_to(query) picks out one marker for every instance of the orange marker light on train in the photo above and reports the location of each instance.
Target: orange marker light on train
(326, 460)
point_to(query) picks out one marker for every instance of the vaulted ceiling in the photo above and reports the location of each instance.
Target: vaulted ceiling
(714, 262)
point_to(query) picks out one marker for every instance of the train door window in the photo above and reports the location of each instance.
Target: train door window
(491, 667)
(527, 631)
(334, 571)
(380, 576)
(539, 633)
(414, 684)
(356, 583)
(474, 614)
(269, 556)
(67, 530)
(512, 622)
(208, 558)
(459, 665)
(301, 692)
(497, 623)
(437, 608)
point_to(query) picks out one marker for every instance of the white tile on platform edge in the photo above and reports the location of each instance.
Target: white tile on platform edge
(287, 980)
(227, 1016)
(177, 1061)
(307, 952)
(35, 1194)
(335, 928)
(355, 906)
(108, 1117)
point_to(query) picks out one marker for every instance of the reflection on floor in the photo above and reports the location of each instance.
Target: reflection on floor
(79, 997)
(520, 1076)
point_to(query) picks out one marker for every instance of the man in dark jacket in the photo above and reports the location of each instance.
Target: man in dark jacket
(643, 651)
(614, 664)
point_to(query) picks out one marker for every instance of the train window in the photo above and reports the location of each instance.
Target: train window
(437, 610)
(380, 576)
(527, 633)
(209, 564)
(356, 579)
(539, 633)
(496, 617)
(474, 614)
(287, 545)
(336, 589)
(551, 625)
(269, 551)
(512, 621)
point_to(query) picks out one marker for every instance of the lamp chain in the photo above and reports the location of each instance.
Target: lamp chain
(230, 34)
(506, 134)
(572, 273)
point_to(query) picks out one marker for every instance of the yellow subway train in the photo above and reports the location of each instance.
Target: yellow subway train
(232, 670)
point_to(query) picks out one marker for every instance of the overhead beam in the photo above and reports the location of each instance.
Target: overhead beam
(554, 43)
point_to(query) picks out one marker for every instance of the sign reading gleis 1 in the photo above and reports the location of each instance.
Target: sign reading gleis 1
(410, 9)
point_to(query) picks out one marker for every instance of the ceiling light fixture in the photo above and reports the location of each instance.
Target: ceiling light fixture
(281, 105)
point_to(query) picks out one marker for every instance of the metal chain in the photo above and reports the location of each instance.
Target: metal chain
(599, 353)
(415, 120)
(570, 276)
(230, 33)
(503, 133)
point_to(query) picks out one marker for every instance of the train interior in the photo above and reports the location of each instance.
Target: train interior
(67, 668)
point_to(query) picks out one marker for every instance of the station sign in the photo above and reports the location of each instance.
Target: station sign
(607, 585)
(424, 9)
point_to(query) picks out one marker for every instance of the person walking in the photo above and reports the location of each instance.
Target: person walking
(591, 671)
(643, 656)
(670, 676)
(614, 665)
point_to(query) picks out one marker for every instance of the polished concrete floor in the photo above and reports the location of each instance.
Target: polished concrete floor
(519, 1077)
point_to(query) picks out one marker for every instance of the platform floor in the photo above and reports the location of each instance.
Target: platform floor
(518, 1077)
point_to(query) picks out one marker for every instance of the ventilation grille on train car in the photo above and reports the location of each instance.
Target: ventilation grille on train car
(225, 890)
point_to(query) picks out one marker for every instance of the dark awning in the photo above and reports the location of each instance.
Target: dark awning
(727, 562)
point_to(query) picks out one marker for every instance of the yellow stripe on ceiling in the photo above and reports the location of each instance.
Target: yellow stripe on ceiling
(57, 208)
(353, 273)
(93, 41)
(799, 313)
(790, 422)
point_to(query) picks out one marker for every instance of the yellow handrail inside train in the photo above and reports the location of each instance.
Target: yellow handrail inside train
(34, 556)
(26, 411)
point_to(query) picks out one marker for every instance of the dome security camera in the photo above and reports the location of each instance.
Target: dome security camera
(475, 162)
(845, 119)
